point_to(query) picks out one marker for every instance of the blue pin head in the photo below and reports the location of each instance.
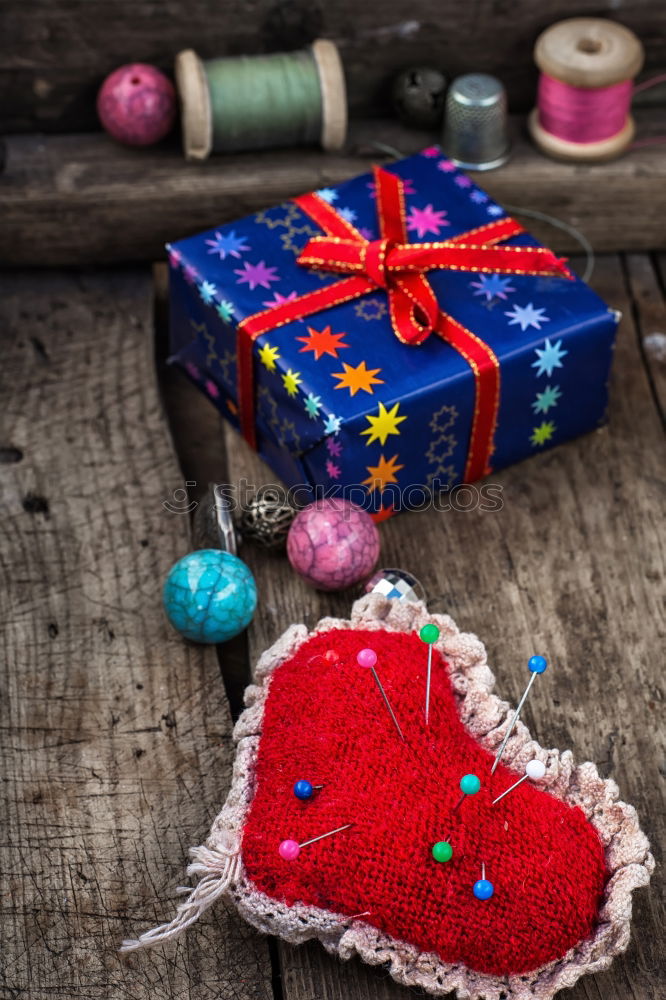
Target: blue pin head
(483, 889)
(537, 664)
(303, 789)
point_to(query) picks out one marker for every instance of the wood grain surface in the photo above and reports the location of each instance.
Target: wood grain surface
(574, 564)
(84, 199)
(55, 53)
(115, 734)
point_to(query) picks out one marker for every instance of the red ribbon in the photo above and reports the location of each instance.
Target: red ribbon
(398, 268)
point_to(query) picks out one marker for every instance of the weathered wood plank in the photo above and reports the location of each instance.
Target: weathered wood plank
(84, 199)
(116, 734)
(54, 53)
(574, 565)
(647, 293)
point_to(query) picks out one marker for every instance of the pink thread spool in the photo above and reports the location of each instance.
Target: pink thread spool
(583, 107)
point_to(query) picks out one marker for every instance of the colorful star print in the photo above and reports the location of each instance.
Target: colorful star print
(269, 356)
(227, 245)
(332, 469)
(366, 233)
(462, 181)
(549, 358)
(385, 423)
(431, 152)
(426, 220)
(382, 474)
(446, 167)
(546, 399)
(312, 405)
(370, 309)
(495, 210)
(328, 194)
(211, 389)
(348, 214)
(526, 316)
(478, 197)
(279, 300)
(332, 425)
(225, 310)
(333, 447)
(190, 274)
(543, 433)
(174, 256)
(207, 291)
(322, 342)
(291, 381)
(443, 419)
(256, 275)
(356, 378)
(492, 286)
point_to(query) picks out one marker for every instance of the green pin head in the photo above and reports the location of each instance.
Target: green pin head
(429, 634)
(442, 851)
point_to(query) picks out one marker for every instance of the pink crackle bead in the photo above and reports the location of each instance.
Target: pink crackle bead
(333, 544)
(136, 104)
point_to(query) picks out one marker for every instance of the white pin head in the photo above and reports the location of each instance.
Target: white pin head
(535, 769)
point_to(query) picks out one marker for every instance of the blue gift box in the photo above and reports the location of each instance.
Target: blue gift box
(341, 405)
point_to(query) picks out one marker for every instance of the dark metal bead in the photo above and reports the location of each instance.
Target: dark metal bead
(266, 518)
(418, 96)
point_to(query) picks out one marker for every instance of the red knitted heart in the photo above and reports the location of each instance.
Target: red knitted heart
(326, 722)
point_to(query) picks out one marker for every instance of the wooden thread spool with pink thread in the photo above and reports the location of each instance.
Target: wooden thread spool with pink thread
(583, 107)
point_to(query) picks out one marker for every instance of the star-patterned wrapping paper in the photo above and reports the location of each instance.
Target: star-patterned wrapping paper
(340, 401)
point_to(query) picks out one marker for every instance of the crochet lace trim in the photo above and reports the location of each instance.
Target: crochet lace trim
(487, 718)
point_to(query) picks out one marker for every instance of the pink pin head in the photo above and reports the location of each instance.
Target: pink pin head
(289, 850)
(366, 658)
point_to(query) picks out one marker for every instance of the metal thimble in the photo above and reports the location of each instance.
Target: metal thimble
(475, 126)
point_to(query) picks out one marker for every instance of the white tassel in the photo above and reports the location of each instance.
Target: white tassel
(219, 868)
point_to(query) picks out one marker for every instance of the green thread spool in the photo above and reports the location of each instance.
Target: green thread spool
(241, 103)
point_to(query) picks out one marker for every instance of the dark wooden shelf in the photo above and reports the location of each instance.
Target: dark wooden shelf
(82, 199)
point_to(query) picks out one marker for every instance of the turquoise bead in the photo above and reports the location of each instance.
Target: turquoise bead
(210, 596)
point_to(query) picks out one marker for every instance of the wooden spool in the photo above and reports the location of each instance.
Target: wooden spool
(587, 52)
(197, 123)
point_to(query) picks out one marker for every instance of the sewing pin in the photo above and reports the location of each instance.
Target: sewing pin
(303, 789)
(483, 889)
(534, 769)
(290, 849)
(367, 658)
(536, 665)
(428, 634)
(442, 851)
(469, 785)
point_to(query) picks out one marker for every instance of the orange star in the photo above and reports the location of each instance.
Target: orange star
(358, 378)
(382, 474)
(322, 342)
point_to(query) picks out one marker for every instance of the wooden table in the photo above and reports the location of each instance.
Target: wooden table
(117, 735)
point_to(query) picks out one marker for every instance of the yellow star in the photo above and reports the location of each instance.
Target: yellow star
(384, 424)
(543, 432)
(268, 356)
(357, 378)
(382, 474)
(291, 381)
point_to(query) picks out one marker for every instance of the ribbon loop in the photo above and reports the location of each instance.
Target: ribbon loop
(374, 262)
(399, 268)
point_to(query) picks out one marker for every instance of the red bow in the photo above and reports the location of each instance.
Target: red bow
(398, 268)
